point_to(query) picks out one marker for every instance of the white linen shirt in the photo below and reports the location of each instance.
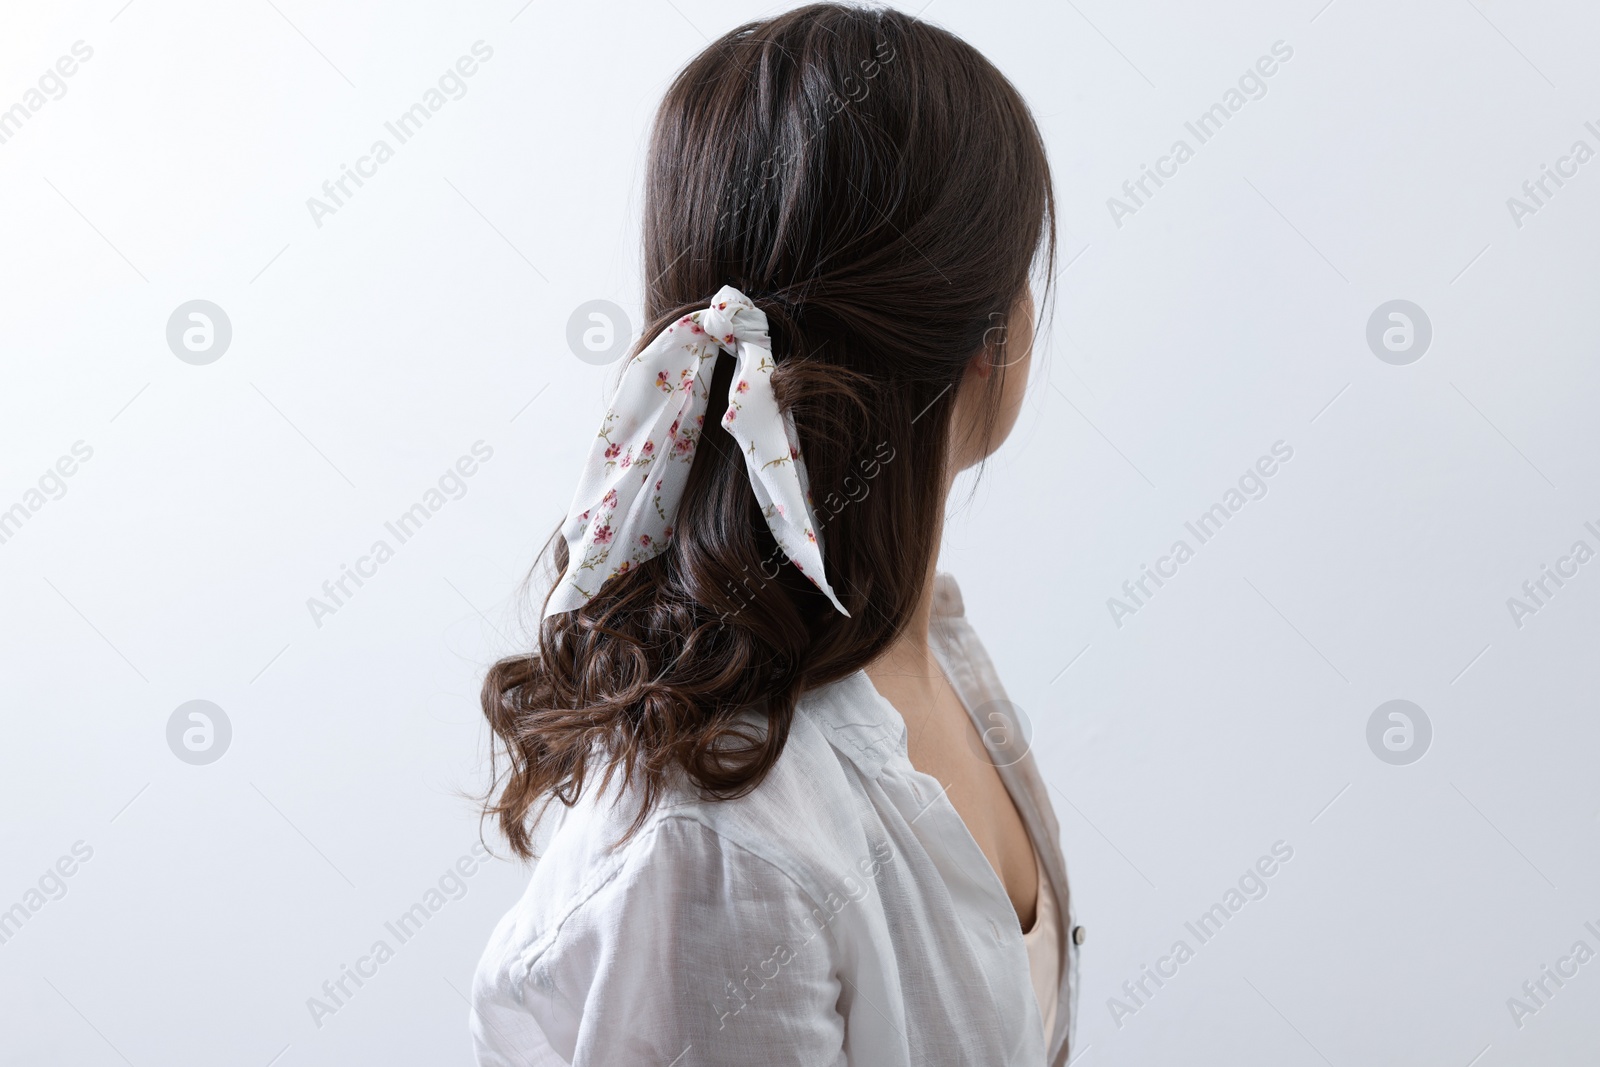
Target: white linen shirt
(840, 913)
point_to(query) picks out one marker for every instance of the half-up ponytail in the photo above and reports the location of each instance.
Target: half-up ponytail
(881, 192)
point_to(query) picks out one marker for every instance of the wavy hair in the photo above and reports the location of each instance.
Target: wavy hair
(882, 193)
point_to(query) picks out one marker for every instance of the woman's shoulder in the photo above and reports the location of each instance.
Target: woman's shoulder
(792, 838)
(653, 940)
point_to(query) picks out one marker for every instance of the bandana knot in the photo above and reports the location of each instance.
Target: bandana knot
(625, 509)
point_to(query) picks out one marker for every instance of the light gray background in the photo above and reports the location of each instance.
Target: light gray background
(431, 311)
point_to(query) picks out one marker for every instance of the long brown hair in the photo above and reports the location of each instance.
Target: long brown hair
(881, 191)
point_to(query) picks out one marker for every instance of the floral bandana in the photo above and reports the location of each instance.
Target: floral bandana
(627, 498)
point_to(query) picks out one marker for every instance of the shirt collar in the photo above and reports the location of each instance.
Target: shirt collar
(946, 596)
(858, 722)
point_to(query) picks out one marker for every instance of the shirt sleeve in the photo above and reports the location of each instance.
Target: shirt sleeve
(696, 952)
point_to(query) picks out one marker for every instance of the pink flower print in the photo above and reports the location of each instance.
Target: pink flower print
(585, 516)
(729, 416)
(627, 461)
(602, 536)
(610, 498)
(687, 320)
(742, 387)
(612, 451)
(667, 532)
(624, 568)
(687, 384)
(672, 431)
(644, 539)
(658, 485)
(684, 446)
(728, 340)
(699, 420)
(794, 453)
(781, 515)
(722, 306)
(811, 536)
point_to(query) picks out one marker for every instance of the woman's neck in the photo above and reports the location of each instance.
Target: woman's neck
(908, 660)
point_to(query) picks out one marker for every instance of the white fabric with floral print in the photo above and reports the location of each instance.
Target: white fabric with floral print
(627, 498)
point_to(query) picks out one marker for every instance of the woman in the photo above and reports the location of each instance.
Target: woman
(766, 767)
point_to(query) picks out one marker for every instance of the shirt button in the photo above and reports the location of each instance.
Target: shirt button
(1078, 935)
